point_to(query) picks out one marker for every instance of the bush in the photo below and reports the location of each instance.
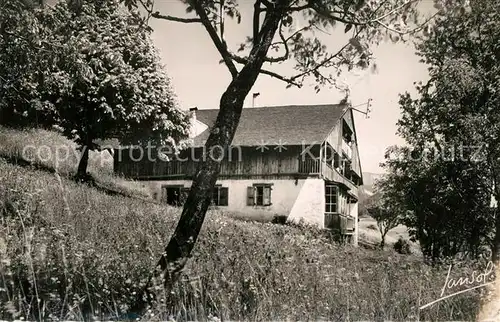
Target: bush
(402, 246)
(279, 219)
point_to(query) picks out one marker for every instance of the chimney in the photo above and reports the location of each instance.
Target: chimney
(192, 111)
(196, 127)
(254, 96)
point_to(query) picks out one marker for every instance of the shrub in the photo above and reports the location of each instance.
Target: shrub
(279, 219)
(402, 246)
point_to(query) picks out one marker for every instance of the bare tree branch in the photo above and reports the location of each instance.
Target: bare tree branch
(149, 9)
(331, 14)
(409, 31)
(268, 4)
(316, 68)
(244, 61)
(238, 59)
(284, 42)
(221, 21)
(393, 11)
(256, 21)
(299, 8)
(292, 35)
(282, 78)
(157, 15)
(221, 47)
(321, 64)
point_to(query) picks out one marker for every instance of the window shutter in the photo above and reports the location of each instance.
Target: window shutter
(163, 197)
(184, 195)
(267, 196)
(215, 196)
(223, 196)
(250, 196)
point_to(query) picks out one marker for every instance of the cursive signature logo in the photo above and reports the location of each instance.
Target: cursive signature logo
(474, 281)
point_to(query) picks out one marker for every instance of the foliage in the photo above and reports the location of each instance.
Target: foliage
(447, 172)
(387, 218)
(380, 206)
(104, 78)
(114, 82)
(444, 204)
(402, 246)
(24, 60)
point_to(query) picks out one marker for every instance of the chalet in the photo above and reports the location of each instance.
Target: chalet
(298, 162)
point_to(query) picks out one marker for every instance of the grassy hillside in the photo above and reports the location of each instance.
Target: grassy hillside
(70, 251)
(50, 151)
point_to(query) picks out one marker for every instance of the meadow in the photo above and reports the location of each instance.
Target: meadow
(73, 251)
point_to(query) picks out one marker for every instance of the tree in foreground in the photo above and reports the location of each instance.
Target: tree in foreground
(104, 79)
(282, 31)
(444, 204)
(386, 221)
(387, 216)
(113, 84)
(456, 117)
(25, 58)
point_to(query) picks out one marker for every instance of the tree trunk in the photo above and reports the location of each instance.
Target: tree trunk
(83, 164)
(221, 135)
(382, 242)
(495, 250)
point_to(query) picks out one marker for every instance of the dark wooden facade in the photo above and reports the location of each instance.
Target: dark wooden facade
(238, 162)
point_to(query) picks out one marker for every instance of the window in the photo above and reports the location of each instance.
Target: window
(259, 195)
(336, 160)
(331, 194)
(174, 195)
(346, 132)
(346, 168)
(220, 196)
(343, 203)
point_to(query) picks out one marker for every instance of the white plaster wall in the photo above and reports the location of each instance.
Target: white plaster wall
(303, 198)
(283, 195)
(309, 203)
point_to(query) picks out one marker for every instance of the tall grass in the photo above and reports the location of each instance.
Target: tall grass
(71, 252)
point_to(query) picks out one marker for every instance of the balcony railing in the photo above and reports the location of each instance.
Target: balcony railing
(325, 170)
(344, 223)
(309, 166)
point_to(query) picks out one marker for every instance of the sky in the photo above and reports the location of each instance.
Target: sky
(192, 62)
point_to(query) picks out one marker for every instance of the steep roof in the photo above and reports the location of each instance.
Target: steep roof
(278, 125)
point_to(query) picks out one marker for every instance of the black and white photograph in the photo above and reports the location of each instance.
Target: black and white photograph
(249, 160)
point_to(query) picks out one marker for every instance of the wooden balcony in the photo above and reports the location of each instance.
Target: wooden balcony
(255, 163)
(326, 171)
(346, 149)
(309, 166)
(343, 223)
